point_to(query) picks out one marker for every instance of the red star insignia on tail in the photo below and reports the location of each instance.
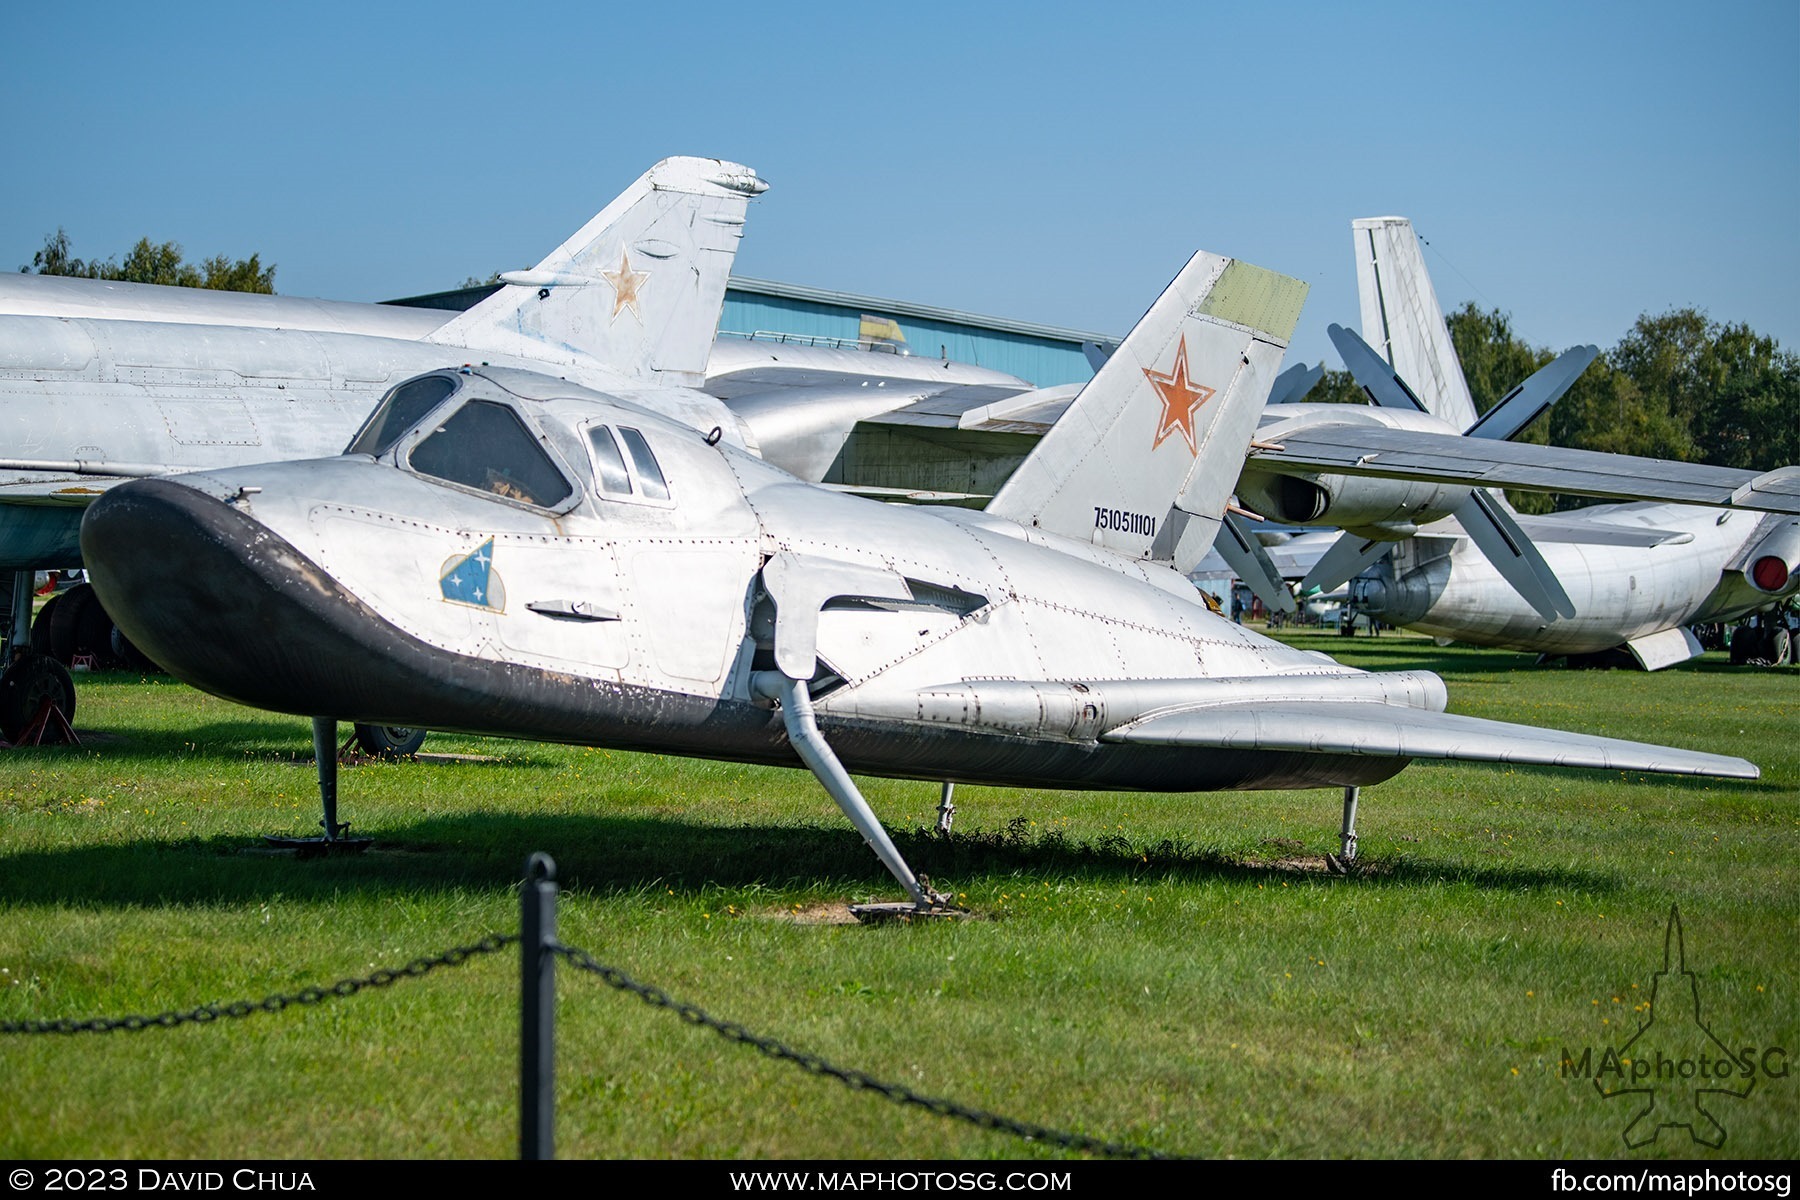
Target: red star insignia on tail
(1181, 400)
(626, 283)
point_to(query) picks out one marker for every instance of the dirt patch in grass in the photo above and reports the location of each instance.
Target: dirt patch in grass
(836, 913)
(1318, 864)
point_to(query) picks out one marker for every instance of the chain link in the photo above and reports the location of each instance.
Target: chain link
(856, 1080)
(207, 1013)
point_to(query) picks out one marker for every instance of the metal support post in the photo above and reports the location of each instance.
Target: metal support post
(947, 808)
(325, 755)
(1348, 833)
(537, 1010)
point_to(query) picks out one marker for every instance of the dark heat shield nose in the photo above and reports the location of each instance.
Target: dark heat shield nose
(208, 592)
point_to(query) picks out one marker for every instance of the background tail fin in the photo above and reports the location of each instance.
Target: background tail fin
(639, 288)
(1168, 419)
(1401, 319)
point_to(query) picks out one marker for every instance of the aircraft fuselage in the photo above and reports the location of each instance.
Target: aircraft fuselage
(1441, 586)
(642, 609)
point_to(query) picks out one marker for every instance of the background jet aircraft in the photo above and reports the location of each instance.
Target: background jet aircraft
(1636, 575)
(509, 553)
(630, 300)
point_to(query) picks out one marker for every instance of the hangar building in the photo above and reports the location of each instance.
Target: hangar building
(1045, 355)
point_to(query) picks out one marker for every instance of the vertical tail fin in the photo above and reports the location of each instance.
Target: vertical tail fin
(638, 288)
(1166, 422)
(1401, 318)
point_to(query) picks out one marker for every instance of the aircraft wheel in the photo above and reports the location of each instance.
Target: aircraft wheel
(45, 630)
(129, 656)
(94, 633)
(1741, 639)
(1781, 646)
(77, 626)
(24, 688)
(65, 626)
(389, 741)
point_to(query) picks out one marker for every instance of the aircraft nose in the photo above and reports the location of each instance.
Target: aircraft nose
(207, 591)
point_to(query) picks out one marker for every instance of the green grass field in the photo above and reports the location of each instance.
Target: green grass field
(1174, 971)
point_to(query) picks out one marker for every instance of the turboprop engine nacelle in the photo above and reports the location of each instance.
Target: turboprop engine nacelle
(1773, 564)
(1354, 502)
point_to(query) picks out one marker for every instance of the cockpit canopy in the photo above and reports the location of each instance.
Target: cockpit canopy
(471, 432)
(399, 411)
(485, 446)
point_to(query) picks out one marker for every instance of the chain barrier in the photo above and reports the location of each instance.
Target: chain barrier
(856, 1080)
(208, 1013)
(692, 1014)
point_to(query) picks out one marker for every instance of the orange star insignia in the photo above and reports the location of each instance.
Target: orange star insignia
(1181, 400)
(625, 285)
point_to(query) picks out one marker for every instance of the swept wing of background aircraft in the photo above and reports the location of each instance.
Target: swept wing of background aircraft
(1636, 575)
(509, 553)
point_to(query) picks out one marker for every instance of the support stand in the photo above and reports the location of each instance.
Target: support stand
(946, 808)
(49, 728)
(335, 841)
(1342, 862)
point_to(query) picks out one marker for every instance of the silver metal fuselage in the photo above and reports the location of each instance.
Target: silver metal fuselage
(139, 379)
(150, 397)
(330, 588)
(1441, 586)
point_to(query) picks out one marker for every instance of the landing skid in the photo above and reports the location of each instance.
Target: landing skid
(876, 914)
(319, 847)
(816, 752)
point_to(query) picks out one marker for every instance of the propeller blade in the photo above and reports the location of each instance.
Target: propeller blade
(1493, 529)
(1246, 556)
(1372, 372)
(1345, 559)
(1521, 406)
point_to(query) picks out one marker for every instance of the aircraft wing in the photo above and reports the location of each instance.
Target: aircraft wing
(56, 491)
(1358, 449)
(1295, 558)
(1032, 412)
(1393, 731)
(1570, 527)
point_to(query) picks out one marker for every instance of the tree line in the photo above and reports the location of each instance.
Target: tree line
(150, 262)
(1677, 386)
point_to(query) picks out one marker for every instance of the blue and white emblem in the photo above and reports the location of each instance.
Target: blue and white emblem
(472, 580)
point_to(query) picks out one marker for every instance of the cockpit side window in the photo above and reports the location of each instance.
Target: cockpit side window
(649, 475)
(399, 411)
(486, 447)
(609, 464)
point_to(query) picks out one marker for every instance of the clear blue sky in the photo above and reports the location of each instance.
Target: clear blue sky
(1572, 164)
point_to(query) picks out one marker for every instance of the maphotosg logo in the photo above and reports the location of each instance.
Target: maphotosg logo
(1675, 1064)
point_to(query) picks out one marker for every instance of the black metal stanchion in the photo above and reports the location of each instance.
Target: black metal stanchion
(537, 1010)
